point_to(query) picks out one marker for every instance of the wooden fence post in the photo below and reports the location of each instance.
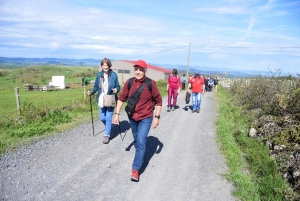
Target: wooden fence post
(84, 92)
(18, 100)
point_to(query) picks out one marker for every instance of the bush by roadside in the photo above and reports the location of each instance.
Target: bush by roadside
(271, 105)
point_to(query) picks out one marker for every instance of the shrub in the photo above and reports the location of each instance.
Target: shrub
(274, 103)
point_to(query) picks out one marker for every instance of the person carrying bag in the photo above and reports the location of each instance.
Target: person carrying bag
(107, 85)
(106, 100)
(141, 106)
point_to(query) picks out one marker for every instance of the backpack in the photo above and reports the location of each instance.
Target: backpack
(216, 81)
(187, 97)
(147, 80)
(134, 98)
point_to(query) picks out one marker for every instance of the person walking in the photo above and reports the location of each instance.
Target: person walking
(142, 117)
(216, 80)
(183, 81)
(206, 83)
(173, 87)
(108, 83)
(198, 88)
(210, 83)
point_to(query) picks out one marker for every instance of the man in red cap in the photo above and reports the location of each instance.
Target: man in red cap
(142, 117)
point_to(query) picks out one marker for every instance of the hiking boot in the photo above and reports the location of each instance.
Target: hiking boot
(135, 175)
(169, 109)
(106, 140)
(198, 110)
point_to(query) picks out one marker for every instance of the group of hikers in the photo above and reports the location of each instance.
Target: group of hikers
(197, 85)
(211, 83)
(142, 102)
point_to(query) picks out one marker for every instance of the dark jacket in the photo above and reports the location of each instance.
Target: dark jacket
(112, 83)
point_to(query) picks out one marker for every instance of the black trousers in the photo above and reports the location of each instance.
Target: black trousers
(183, 86)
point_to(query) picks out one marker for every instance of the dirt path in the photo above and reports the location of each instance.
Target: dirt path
(182, 162)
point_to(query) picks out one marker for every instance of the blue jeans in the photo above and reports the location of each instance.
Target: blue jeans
(196, 100)
(140, 130)
(106, 114)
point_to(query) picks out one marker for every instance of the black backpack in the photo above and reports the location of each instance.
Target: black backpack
(134, 98)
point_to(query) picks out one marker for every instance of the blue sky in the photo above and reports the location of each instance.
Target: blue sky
(234, 34)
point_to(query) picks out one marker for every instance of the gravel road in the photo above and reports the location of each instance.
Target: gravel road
(182, 162)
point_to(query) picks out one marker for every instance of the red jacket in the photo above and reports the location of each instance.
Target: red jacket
(197, 85)
(145, 106)
(174, 82)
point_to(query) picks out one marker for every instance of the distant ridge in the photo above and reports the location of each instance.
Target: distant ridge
(19, 62)
(225, 72)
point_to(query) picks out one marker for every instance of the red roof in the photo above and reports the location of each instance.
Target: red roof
(152, 67)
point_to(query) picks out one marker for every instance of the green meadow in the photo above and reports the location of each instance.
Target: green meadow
(51, 99)
(44, 113)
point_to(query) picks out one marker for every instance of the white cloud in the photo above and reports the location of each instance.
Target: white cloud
(64, 28)
(251, 25)
(104, 49)
(278, 13)
(224, 10)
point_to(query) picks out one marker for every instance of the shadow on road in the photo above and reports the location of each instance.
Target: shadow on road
(188, 107)
(153, 146)
(115, 130)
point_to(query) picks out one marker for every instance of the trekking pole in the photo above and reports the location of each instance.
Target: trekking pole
(92, 115)
(120, 132)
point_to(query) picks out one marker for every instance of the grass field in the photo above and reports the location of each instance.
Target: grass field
(42, 75)
(44, 113)
(51, 99)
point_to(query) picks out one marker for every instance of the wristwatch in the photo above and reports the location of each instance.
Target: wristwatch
(157, 116)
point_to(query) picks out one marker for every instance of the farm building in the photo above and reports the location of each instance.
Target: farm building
(58, 81)
(125, 70)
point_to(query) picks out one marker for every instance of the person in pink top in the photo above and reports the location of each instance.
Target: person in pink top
(173, 87)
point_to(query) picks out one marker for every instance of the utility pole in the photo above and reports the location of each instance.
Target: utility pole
(62, 68)
(18, 100)
(188, 65)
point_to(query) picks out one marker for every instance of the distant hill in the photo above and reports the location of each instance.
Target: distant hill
(18, 62)
(218, 71)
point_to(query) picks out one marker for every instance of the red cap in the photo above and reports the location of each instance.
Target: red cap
(140, 63)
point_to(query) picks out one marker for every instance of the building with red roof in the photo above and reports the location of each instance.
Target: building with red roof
(125, 70)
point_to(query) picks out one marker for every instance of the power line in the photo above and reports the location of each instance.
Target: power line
(213, 46)
(246, 47)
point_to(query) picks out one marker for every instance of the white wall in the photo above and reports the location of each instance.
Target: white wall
(58, 81)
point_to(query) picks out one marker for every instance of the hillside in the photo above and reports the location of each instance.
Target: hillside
(42, 75)
(25, 62)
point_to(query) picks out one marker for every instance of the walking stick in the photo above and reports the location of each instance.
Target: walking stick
(120, 132)
(92, 115)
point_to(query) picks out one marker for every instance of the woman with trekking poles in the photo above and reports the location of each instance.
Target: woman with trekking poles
(107, 83)
(142, 95)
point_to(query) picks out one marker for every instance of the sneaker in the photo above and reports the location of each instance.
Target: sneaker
(169, 109)
(193, 111)
(106, 140)
(172, 109)
(135, 175)
(198, 110)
